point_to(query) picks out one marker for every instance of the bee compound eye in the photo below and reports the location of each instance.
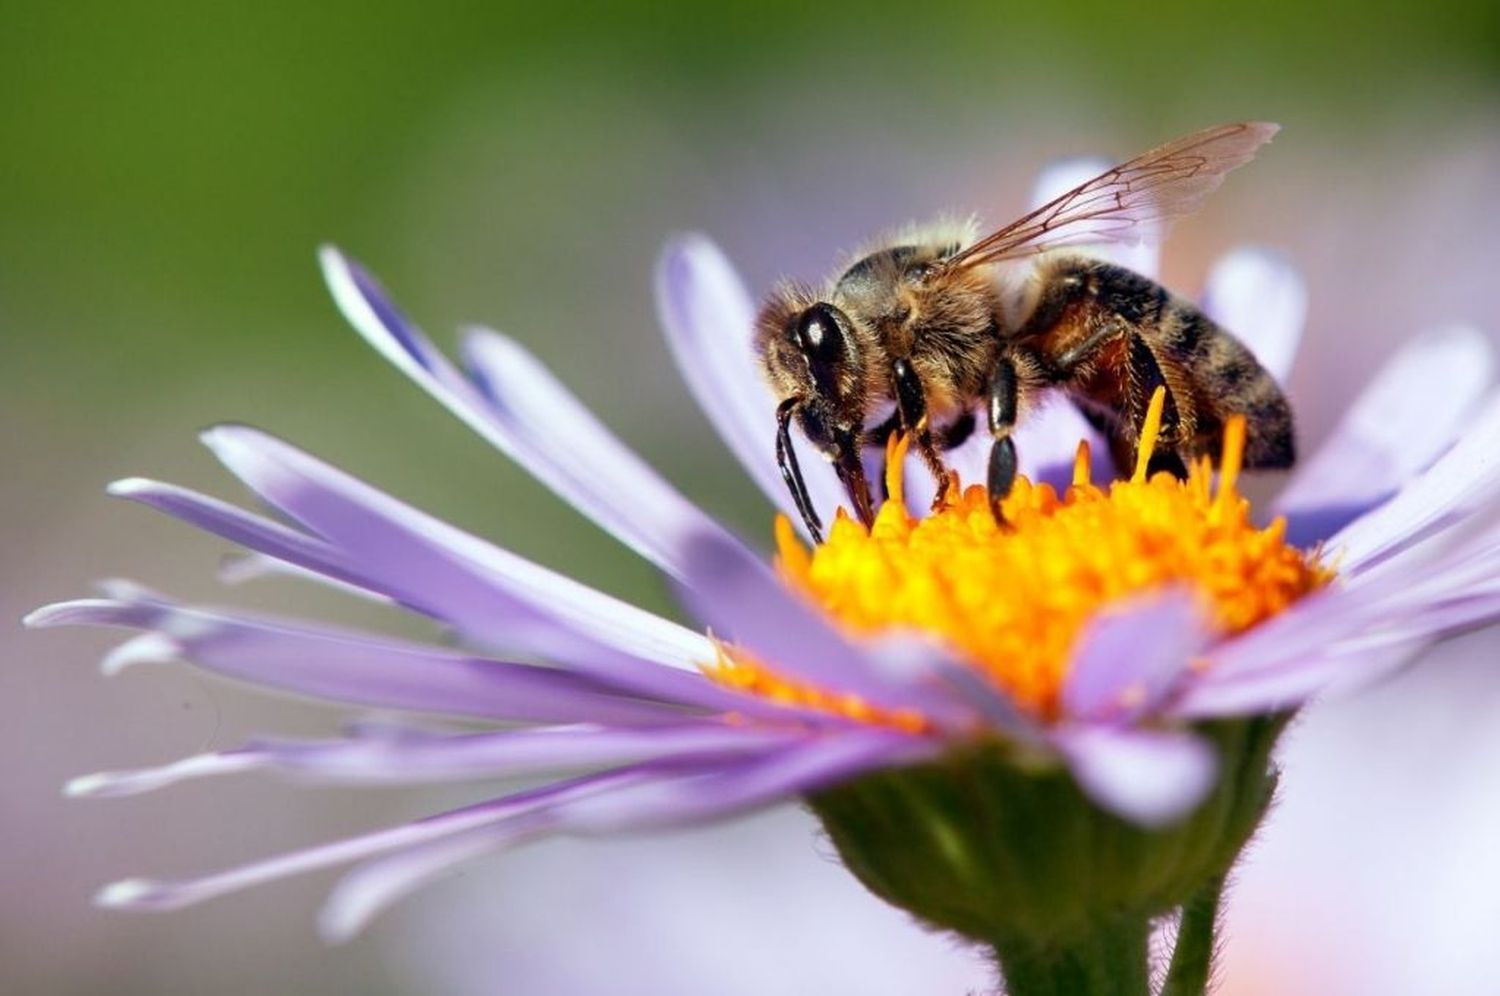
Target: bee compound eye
(818, 334)
(820, 337)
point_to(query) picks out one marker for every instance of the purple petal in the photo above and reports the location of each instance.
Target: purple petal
(569, 449)
(1150, 777)
(1262, 300)
(365, 892)
(494, 596)
(1349, 637)
(238, 526)
(708, 318)
(526, 414)
(670, 799)
(153, 895)
(514, 753)
(1047, 444)
(480, 587)
(1419, 403)
(348, 666)
(1278, 689)
(1128, 660)
(1464, 480)
(745, 784)
(410, 758)
(109, 784)
(238, 568)
(1063, 175)
(743, 603)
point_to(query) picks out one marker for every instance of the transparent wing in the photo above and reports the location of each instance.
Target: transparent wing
(1131, 202)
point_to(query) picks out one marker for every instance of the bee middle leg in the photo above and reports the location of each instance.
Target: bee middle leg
(1003, 401)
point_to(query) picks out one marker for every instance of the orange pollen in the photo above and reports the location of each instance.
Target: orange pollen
(1013, 599)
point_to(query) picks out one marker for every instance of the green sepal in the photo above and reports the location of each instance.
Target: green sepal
(1010, 853)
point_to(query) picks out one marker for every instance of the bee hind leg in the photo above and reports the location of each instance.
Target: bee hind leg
(1146, 375)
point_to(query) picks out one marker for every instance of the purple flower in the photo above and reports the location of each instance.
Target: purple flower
(637, 710)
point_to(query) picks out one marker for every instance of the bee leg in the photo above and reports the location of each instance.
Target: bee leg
(850, 467)
(1146, 376)
(911, 406)
(876, 438)
(791, 472)
(1004, 391)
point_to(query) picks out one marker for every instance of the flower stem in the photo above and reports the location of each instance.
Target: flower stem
(1192, 959)
(1113, 961)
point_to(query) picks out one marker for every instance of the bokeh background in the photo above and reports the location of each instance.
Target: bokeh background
(166, 171)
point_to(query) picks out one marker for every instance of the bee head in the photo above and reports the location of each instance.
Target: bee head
(810, 353)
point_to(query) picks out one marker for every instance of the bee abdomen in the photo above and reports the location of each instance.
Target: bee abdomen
(1231, 381)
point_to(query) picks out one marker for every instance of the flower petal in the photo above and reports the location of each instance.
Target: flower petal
(1350, 637)
(473, 581)
(712, 793)
(413, 758)
(1150, 777)
(744, 604)
(1261, 299)
(1047, 444)
(109, 784)
(709, 318)
(1128, 660)
(348, 666)
(1279, 689)
(670, 799)
(374, 886)
(242, 527)
(520, 409)
(1419, 403)
(155, 895)
(568, 448)
(1465, 479)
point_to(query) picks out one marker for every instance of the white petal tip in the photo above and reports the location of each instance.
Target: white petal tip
(86, 785)
(124, 590)
(134, 894)
(1153, 779)
(148, 648)
(48, 615)
(238, 568)
(129, 487)
(333, 262)
(338, 926)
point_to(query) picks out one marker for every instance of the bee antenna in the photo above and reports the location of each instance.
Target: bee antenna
(791, 471)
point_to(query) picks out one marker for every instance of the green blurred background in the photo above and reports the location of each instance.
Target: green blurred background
(167, 170)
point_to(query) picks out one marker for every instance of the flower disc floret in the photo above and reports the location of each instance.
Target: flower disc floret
(1015, 598)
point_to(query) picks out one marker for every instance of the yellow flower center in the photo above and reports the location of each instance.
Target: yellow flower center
(1013, 599)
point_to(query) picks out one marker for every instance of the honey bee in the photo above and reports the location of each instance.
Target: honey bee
(922, 332)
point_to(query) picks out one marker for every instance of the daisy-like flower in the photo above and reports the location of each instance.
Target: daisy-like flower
(1042, 737)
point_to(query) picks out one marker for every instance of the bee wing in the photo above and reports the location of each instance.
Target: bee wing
(1130, 202)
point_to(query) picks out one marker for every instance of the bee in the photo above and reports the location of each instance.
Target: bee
(921, 333)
